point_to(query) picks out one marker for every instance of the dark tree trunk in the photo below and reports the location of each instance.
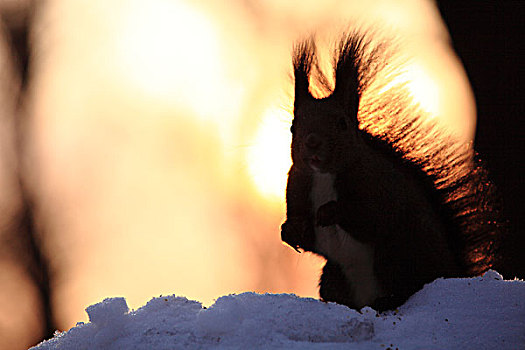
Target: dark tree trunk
(487, 36)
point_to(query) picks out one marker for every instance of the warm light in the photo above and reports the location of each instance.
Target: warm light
(171, 51)
(141, 111)
(269, 156)
(423, 88)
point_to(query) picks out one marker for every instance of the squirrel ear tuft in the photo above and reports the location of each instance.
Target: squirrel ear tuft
(303, 59)
(347, 90)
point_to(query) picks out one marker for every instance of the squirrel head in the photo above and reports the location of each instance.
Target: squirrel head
(325, 131)
(324, 136)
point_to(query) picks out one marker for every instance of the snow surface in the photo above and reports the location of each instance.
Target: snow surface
(469, 313)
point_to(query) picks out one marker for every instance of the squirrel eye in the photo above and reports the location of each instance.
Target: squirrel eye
(292, 129)
(342, 124)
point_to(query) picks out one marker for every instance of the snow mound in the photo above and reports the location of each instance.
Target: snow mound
(476, 313)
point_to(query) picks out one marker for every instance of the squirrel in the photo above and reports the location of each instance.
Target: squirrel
(383, 195)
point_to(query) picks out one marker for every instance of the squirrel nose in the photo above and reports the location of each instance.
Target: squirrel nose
(313, 141)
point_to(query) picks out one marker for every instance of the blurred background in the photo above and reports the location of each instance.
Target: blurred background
(144, 145)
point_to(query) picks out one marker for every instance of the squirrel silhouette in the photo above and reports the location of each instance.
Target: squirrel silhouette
(388, 199)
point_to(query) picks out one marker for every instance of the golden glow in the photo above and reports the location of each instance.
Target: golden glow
(152, 122)
(269, 156)
(423, 88)
(170, 51)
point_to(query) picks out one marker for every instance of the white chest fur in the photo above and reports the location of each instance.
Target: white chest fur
(355, 258)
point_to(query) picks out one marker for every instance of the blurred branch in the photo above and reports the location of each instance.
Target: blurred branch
(28, 241)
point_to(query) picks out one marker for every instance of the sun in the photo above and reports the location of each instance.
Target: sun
(269, 156)
(424, 89)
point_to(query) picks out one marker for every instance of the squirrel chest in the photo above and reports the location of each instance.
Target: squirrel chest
(355, 258)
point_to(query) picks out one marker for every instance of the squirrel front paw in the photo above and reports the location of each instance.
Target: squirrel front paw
(327, 214)
(296, 232)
